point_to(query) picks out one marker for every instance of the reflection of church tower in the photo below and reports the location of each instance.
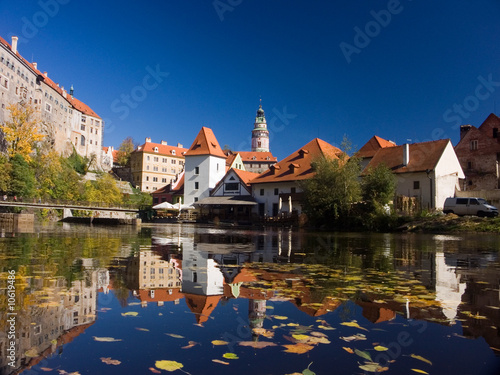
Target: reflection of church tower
(256, 313)
(260, 134)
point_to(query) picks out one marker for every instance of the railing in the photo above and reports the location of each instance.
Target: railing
(44, 202)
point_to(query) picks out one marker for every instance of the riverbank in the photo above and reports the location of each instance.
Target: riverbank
(451, 224)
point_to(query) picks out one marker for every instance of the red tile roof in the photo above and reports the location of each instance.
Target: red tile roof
(248, 156)
(205, 143)
(422, 156)
(77, 104)
(230, 159)
(162, 149)
(372, 146)
(201, 306)
(297, 166)
(245, 176)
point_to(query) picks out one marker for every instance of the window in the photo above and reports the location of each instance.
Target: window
(155, 168)
(48, 107)
(473, 144)
(82, 127)
(469, 165)
(292, 190)
(196, 185)
(156, 150)
(155, 179)
(164, 180)
(495, 132)
(462, 200)
(231, 186)
(164, 160)
(82, 141)
(416, 185)
(276, 191)
(261, 191)
(196, 170)
(84, 119)
(147, 178)
(173, 152)
(196, 199)
(155, 159)
(174, 161)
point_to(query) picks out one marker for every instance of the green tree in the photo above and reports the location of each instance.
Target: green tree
(329, 196)
(126, 148)
(22, 177)
(378, 185)
(104, 189)
(5, 171)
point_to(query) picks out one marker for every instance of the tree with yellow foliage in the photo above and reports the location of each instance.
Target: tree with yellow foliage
(21, 133)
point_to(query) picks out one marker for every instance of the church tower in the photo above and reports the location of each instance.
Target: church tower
(260, 134)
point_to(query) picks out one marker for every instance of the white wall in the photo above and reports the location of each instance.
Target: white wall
(269, 198)
(448, 172)
(211, 171)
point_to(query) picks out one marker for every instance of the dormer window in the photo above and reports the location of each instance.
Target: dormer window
(254, 158)
(303, 152)
(172, 152)
(156, 149)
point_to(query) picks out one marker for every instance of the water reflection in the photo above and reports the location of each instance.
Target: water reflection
(329, 281)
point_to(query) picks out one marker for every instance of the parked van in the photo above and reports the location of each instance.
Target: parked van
(469, 206)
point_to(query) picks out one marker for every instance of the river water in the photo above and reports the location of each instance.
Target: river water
(77, 299)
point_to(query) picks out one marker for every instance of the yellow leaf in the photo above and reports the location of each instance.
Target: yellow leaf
(175, 336)
(348, 350)
(353, 324)
(168, 365)
(219, 342)
(421, 359)
(130, 313)
(106, 339)
(230, 356)
(419, 371)
(380, 348)
(299, 348)
(300, 337)
(279, 317)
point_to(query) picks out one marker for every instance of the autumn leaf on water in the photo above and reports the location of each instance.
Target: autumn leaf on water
(175, 336)
(363, 354)
(348, 350)
(130, 313)
(357, 337)
(106, 339)
(263, 332)
(47, 369)
(219, 361)
(279, 317)
(219, 342)
(230, 356)
(155, 371)
(419, 371)
(373, 367)
(257, 344)
(318, 334)
(353, 324)
(298, 348)
(301, 337)
(109, 361)
(142, 329)
(421, 358)
(190, 345)
(326, 328)
(168, 365)
(380, 348)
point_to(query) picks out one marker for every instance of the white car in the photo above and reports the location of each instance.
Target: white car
(469, 206)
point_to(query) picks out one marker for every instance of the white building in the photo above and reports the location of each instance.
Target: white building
(205, 165)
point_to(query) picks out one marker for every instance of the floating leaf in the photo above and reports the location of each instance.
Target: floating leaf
(318, 334)
(421, 359)
(363, 354)
(270, 307)
(230, 356)
(155, 371)
(47, 369)
(130, 313)
(279, 317)
(142, 329)
(110, 361)
(106, 339)
(353, 338)
(257, 344)
(190, 345)
(219, 361)
(299, 348)
(348, 350)
(419, 371)
(307, 371)
(263, 332)
(168, 365)
(373, 367)
(326, 328)
(219, 342)
(175, 336)
(380, 348)
(353, 324)
(301, 337)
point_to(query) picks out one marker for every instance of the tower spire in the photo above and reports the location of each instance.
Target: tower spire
(260, 134)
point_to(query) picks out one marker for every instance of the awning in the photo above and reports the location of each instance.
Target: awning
(240, 200)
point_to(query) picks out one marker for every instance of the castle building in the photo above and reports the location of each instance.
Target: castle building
(260, 134)
(154, 165)
(66, 121)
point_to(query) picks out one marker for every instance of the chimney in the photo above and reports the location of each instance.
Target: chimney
(148, 139)
(464, 129)
(406, 154)
(164, 142)
(14, 44)
(45, 74)
(35, 65)
(179, 145)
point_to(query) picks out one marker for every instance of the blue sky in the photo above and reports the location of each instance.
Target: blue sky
(403, 70)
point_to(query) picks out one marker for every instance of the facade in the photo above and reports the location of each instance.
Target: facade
(479, 153)
(257, 161)
(429, 171)
(277, 190)
(66, 121)
(154, 165)
(205, 165)
(171, 193)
